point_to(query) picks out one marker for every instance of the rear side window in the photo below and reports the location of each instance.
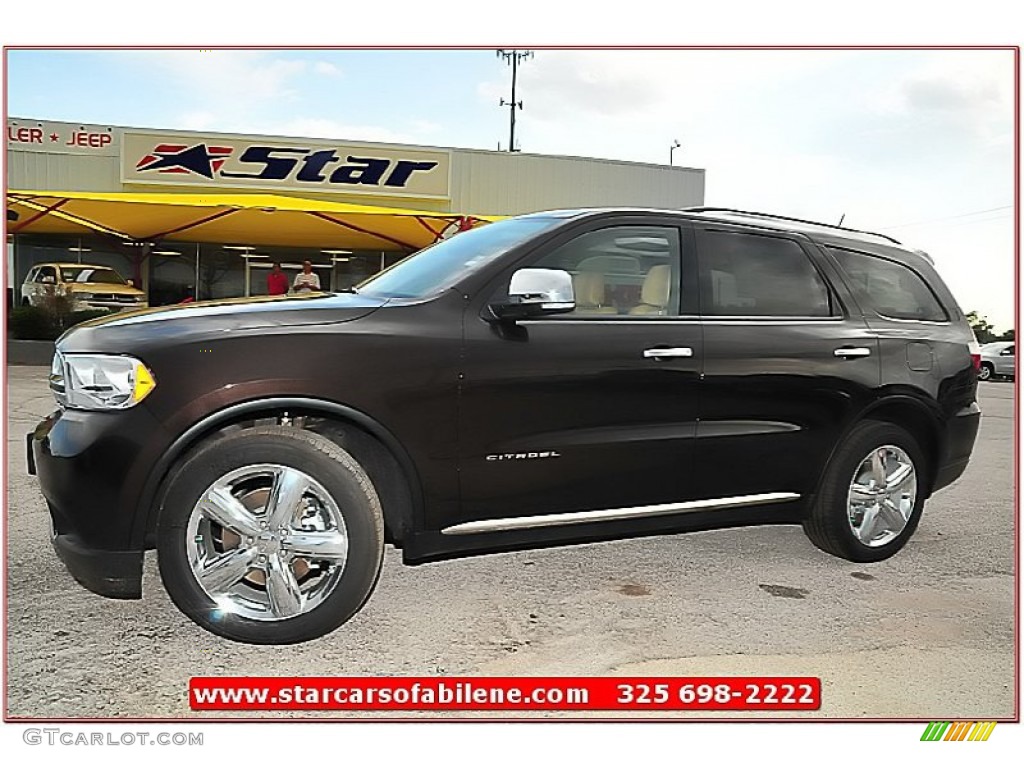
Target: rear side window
(754, 275)
(894, 290)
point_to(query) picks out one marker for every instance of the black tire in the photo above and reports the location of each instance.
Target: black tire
(336, 471)
(986, 372)
(828, 524)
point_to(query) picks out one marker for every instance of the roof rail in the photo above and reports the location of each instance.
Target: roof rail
(755, 214)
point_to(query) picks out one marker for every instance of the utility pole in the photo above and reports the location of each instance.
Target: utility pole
(513, 57)
(672, 148)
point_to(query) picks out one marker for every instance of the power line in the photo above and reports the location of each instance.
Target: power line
(947, 218)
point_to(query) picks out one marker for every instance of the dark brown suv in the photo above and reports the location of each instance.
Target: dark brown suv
(548, 379)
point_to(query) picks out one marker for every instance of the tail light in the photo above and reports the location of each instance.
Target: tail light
(975, 350)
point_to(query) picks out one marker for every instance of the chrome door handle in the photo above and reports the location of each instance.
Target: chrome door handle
(852, 352)
(660, 352)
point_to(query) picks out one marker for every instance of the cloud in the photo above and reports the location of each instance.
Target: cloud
(326, 68)
(944, 95)
(563, 82)
(228, 81)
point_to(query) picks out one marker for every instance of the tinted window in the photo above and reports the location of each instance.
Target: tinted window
(626, 271)
(90, 275)
(893, 289)
(44, 272)
(745, 274)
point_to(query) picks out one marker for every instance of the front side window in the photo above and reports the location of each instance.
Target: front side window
(46, 272)
(621, 271)
(893, 289)
(745, 275)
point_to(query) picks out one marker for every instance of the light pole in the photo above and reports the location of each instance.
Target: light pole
(513, 57)
(672, 148)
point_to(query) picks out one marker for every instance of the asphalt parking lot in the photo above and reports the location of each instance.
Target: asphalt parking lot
(928, 634)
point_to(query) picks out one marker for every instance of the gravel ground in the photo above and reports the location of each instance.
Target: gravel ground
(928, 634)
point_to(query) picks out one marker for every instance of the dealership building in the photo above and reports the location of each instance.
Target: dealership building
(190, 215)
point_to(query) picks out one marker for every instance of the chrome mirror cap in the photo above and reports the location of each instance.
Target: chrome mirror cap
(551, 289)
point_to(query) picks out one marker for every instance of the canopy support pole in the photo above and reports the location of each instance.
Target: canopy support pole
(42, 212)
(354, 228)
(196, 223)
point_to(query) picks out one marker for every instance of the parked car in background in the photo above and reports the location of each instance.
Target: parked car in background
(998, 359)
(85, 286)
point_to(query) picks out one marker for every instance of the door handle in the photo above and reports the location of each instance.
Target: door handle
(852, 352)
(658, 353)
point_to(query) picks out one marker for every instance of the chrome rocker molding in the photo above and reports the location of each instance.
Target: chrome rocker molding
(605, 515)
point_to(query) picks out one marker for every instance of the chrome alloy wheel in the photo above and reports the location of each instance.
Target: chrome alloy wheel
(882, 496)
(267, 542)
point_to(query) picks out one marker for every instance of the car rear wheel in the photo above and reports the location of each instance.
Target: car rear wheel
(871, 496)
(270, 535)
(986, 372)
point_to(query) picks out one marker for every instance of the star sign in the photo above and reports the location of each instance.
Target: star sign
(178, 159)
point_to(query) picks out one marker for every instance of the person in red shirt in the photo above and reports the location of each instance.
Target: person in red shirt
(277, 281)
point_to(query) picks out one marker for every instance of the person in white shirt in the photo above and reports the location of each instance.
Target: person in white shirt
(307, 280)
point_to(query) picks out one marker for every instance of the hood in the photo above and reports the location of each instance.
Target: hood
(207, 318)
(125, 290)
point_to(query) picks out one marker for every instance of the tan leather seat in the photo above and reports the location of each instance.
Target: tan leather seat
(589, 290)
(654, 295)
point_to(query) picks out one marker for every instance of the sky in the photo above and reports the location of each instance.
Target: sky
(915, 144)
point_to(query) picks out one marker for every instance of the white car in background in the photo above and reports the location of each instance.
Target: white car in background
(85, 286)
(998, 359)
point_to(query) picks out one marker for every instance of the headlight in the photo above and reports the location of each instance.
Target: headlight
(81, 296)
(99, 382)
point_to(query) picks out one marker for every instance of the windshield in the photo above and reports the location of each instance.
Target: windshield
(440, 266)
(91, 275)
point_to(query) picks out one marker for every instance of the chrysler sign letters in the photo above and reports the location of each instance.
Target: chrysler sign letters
(274, 165)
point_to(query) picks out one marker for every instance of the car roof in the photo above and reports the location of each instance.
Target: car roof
(823, 233)
(73, 264)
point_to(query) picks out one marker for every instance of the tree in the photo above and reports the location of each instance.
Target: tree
(983, 329)
(1007, 336)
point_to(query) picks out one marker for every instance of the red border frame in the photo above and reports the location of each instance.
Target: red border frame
(1017, 387)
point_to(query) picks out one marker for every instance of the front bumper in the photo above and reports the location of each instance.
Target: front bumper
(111, 574)
(91, 468)
(84, 305)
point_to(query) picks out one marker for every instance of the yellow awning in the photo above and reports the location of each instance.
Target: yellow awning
(242, 219)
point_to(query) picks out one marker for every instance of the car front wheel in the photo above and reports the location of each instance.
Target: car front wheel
(986, 372)
(871, 496)
(270, 535)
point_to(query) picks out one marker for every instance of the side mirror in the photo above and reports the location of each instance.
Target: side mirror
(1006, 352)
(536, 292)
(130, 282)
